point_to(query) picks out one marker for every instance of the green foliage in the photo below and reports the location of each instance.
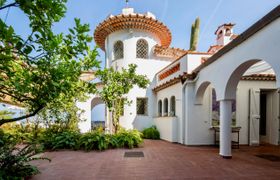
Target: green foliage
(194, 35)
(60, 140)
(94, 140)
(151, 133)
(116, 85)
(128, 138)
(6, 114)
(43, 70)
(14, 161)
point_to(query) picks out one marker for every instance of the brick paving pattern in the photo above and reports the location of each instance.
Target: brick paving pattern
(162, 160)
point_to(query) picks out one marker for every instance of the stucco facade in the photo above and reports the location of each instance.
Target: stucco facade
(241, 68)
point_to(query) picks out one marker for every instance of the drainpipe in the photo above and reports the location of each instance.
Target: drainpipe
(184, 106)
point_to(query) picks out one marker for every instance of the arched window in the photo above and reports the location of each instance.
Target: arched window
(142, 49)
(165, 106)
(220, 34)
(118, 50)
(228, 32)
(159, 108)
(172, 106)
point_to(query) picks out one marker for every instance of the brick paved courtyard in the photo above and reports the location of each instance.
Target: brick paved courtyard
(162, 160)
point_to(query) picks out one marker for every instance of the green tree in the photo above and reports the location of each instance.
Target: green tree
(116, 84)
(194, 35)
(44, 68)
(6, 114)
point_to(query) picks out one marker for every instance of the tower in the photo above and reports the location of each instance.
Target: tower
(224, 34)
(130, 38)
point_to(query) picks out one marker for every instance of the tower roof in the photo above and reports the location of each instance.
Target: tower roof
(130, 20)
(230, 25)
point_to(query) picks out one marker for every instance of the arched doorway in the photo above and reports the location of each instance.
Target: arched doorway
(98, 113)
(253, 85)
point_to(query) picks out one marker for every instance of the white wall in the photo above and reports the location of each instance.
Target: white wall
(198, 118)
(174, 90)
(168, 127)
(242, 109)
(199, 121)
(148, 67)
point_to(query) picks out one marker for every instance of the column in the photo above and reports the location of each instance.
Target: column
(225, 128)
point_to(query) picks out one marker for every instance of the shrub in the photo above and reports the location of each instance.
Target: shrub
(61, 140)
(94, 140)
(151, 133)
(127, 138)
(14, 162)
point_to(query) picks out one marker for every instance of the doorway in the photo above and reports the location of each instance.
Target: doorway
(264, 113)
(269, 112)
(263, 116)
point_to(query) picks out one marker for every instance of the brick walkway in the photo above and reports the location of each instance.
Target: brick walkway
(162, 160)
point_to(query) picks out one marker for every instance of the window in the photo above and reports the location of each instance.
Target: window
(172, 106)
(159, 108)
(228, 32)
(220, 34)
(142, 106)
(118, 50)
(142, 49)
(165, 104)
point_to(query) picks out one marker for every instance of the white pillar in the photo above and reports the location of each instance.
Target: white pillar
(225, 128)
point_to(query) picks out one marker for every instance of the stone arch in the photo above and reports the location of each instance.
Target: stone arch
(96, 102)
(200, 92)
(235, 76)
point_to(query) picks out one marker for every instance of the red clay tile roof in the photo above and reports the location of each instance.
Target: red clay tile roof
(168, 52)
(180, 78)
(133, 21)
(259, 77)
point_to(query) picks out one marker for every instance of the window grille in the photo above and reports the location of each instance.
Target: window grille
(118, 50)
(142, 49)
(142, 106)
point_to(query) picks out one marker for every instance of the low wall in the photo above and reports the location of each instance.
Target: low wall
(168, 128)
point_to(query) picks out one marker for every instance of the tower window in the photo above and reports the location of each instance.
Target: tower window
(142, 49)
(118, 50)
(228, 32)
(142, 106)
(220, 34)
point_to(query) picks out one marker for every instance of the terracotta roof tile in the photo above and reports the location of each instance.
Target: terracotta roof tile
(133, 21)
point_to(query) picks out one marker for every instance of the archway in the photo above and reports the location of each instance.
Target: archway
(200, 92)
(253, 85)
(98, 113)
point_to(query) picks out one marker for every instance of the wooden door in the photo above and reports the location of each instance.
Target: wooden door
(254, 117)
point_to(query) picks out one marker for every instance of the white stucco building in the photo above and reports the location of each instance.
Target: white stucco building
(191, 91)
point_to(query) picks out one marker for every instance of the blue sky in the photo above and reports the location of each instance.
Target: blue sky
(178, 15)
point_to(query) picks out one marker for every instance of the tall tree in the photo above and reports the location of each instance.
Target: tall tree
(194, 35)
(116, 85)
(44, 67)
